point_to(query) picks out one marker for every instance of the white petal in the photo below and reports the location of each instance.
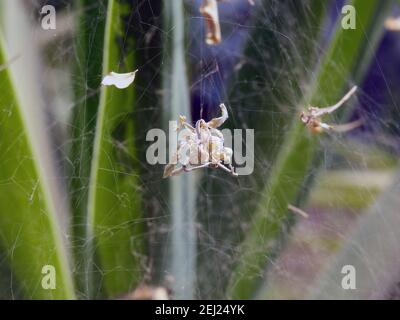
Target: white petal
(120, 80)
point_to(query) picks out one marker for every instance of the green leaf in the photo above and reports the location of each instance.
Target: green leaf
(344, 57)
(372, 249)
(114, 215)
(182, 191)
(348, 188)
(86, 76)
(30, 224)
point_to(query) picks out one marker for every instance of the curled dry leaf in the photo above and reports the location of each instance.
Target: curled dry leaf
(209, 10)
(392, 24)
(120, 80)
(201, 146)
(217, 122)
(147, 293)
(312, 117)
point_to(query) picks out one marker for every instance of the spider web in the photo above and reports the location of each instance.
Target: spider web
(261, 71)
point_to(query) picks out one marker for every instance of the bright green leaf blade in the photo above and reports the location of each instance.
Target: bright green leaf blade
(86, 76)
(344, 58)
(114, 222)
(29, 225)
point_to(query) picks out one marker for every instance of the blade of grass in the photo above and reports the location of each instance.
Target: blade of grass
(30, 224)
(86, 76)
(346, 51)
(182, 192)
(114, 225)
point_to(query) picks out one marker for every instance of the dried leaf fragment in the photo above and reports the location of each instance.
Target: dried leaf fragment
(312, 117)
(217, 122)
(392, 24)
(119, 80)
(298, 211)
(209, 10)
(201, 146)
(144, 292)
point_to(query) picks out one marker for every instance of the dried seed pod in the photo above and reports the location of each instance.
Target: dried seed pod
(209, 10)
(201, 146)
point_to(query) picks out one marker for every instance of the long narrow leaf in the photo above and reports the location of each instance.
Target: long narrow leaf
(182, 192)
(114, 211)
(30, 224)
(86, 75)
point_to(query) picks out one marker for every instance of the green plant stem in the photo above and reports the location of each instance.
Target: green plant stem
(182, 191)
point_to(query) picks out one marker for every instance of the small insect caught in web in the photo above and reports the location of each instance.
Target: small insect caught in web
(201, 146)
(312, 117)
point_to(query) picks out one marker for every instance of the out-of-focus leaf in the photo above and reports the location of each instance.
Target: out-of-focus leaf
(114, 221)
(372, 249)
(30, 220)
(345, 56)
(182, 192)
(349, 189)
(86, 77)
